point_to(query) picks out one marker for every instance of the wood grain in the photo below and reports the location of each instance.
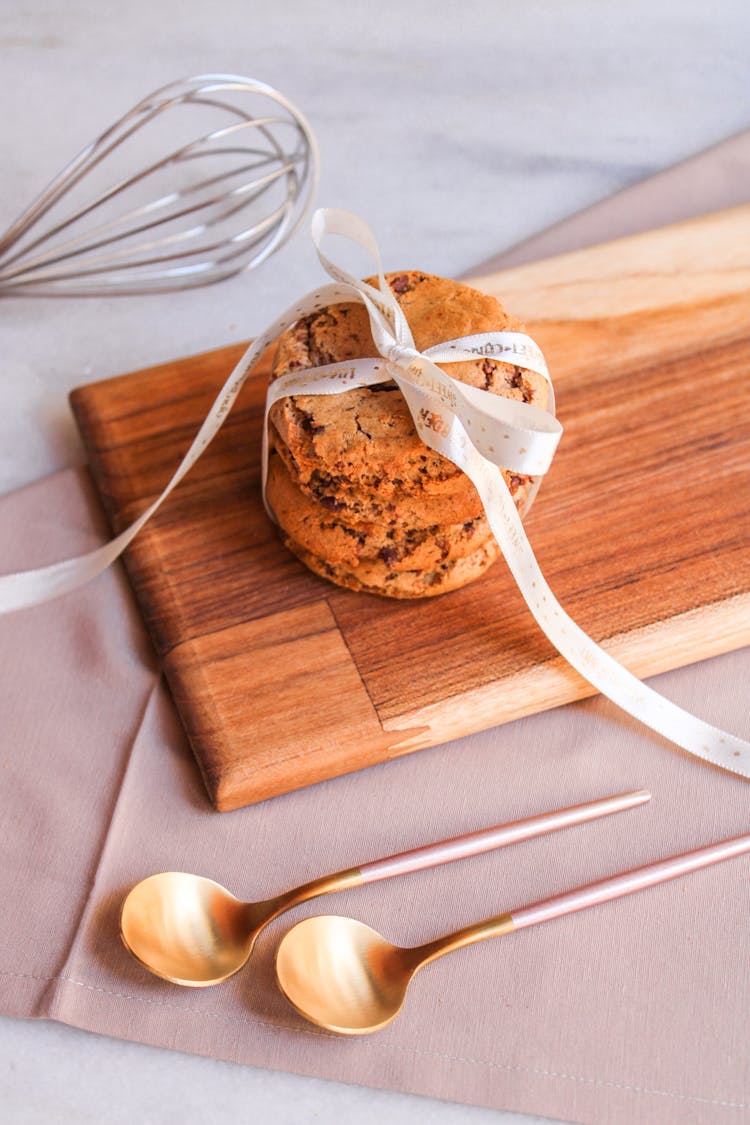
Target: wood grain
(309, 704)
(642, 528)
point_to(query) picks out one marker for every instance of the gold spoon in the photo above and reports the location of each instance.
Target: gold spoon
(192, 931)
(343, 976)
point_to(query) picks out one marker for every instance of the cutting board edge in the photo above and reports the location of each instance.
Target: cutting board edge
(648, 651)
(557, 286)
(293, 663)
(78, 396)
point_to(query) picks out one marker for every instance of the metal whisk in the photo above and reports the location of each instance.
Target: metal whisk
(204, 178)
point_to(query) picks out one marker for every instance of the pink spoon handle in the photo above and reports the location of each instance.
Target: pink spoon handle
(460, 847)
(636, 880)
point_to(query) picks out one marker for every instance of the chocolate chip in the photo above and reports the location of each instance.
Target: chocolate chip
(308, 425)
(488, 368)
(401, 284)
(331, 503)
(517, 380)
(389, 555)
(326, 318)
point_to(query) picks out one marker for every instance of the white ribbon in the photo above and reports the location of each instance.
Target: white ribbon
(477, 431)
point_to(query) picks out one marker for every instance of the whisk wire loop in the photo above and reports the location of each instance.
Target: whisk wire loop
(247, 182)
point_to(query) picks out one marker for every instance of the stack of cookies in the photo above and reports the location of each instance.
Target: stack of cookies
(358, 496)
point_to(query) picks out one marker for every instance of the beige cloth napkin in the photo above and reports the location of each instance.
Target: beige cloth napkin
(636, 1011)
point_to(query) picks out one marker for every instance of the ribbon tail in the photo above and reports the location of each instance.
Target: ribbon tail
(582, 653)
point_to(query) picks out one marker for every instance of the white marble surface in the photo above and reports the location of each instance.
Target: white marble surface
(455, 130)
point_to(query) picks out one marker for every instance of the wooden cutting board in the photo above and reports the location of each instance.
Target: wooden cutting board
(642, 528)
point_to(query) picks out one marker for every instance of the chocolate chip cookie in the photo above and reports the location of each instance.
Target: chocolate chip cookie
(358, 496)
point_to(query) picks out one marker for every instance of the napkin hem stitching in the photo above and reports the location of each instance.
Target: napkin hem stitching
(489, 1063)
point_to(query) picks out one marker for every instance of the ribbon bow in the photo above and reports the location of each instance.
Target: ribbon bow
(476, 430)
(464, 423)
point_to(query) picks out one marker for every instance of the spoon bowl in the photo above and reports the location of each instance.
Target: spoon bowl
(346, 977)
(187, 929)
(342, 975)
